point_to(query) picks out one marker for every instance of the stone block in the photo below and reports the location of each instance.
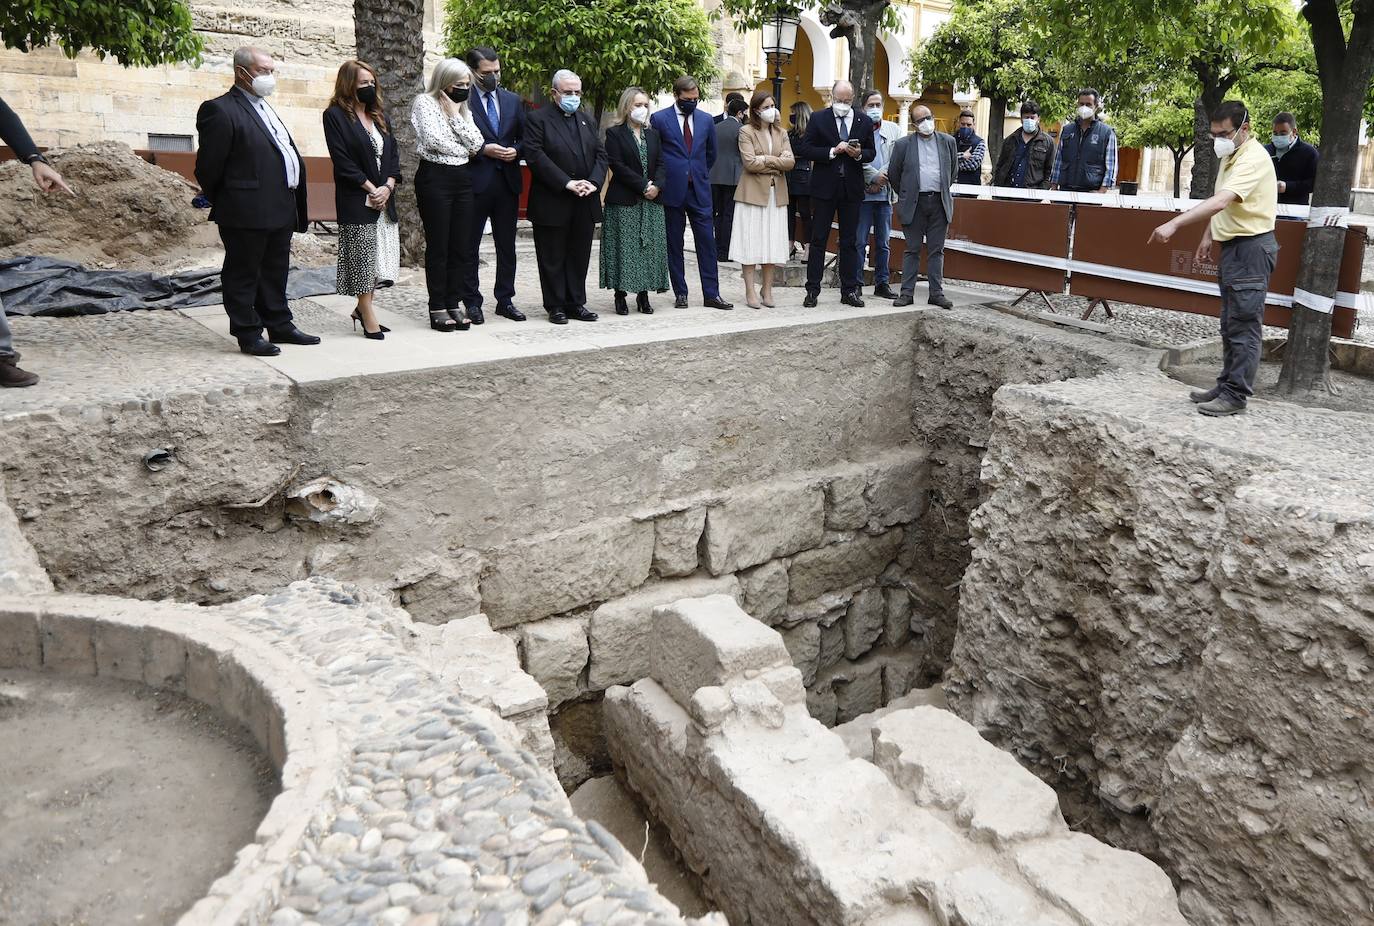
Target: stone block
(899, 675)
(709, 641)
(897, 492)
(556, 653)
(863, 623)
(622, 631)
(1099, 885)
(849, 560)
(164, 664)
(202, 674)
(765, 592)
(761, 523)
(119, 651)
(832, 645)
(438, 588)
(858, 690)
(530, 579)
(482, 666)
(943, 762)
(846, 509)
(979, 896)
(67, 645)
(898, 618)
(676, 539)
(21, 640)
(820, 704)
(803, 642)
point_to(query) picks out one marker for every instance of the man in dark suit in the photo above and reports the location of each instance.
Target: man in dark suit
(249, 169)
(1295, 161)
(838, 142)
(924, 166)
(496, 182)
(568, 166)
(725, 174)
(689, 151)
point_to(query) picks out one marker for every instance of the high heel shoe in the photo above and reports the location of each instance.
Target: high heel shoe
(621, 306)
(642, 303)
(357, 317)
(766, 300)
(460, 321)
(440, 321)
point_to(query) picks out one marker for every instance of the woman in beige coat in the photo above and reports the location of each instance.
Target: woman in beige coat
(761, 237)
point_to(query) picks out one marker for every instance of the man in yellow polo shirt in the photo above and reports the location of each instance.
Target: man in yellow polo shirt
(1241, 215)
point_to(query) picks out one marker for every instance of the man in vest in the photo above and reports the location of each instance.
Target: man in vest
(1085, 161)
(1240, 217)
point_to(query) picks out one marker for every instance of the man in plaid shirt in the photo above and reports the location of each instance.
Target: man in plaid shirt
(972, 150)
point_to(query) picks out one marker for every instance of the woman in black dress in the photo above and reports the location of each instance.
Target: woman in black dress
(799, 183)
(367, 167)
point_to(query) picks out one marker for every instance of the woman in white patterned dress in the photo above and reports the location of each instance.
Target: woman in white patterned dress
(446, 138)
(367, 168)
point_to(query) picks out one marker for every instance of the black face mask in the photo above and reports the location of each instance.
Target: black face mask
(792, 119)
(490, 81)
(460, 95)
(367, 95)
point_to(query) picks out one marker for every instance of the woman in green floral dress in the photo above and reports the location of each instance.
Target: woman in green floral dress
(634, 243)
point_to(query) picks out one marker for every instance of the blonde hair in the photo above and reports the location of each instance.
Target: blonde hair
(627, 103)
(446, 73)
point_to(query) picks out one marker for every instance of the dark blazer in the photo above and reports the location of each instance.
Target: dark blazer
(355, 163)
(628, 182)
(728, 167)
(822, 134)
(1297, 169)
(559, 148)
(509, 134)
(239, 168)
(904, 174)
(677, 192)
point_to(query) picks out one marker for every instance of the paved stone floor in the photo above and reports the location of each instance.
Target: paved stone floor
(139, 357)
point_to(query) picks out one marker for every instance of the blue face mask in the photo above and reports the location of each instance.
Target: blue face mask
(1281, 142)
(965, 133)
(687, 106)
(570, 104)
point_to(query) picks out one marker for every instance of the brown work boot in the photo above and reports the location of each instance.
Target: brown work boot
(12, 376)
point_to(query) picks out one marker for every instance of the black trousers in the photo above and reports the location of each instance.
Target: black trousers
(444, 194)
(723, 217)
(253, 279)
(563, 253)
(823, 212)
(496, 203)
(799, 207)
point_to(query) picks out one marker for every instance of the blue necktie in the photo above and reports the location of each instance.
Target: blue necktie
(491, 113)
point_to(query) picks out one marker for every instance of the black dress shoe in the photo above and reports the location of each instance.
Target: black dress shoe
(680, 302)
(475, 315)
(558, 318)
(292, 335)
(259, 348)
(883, 291)
(580, 313)
(715, 302)
(810, 300)
(903, 300)
(852, 299)
(511, 312)
(942, 301)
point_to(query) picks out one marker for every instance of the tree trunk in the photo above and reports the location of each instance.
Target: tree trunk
(1179, 155)
(390, 38)
(1345, 72)
(997, 118)
(1204, 175)
(863, 47)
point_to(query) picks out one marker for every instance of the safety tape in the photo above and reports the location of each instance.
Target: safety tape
(1328, 217)
(1114, 197)
(1323, 304)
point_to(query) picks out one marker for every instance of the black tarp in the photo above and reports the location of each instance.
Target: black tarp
(51, 287)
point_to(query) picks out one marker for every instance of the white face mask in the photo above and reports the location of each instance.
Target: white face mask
(841, 109)
(769, 115)
(640, 115)
(264, 84)
(1029, 126)
(875, 113)
(1086, 112)
(1224, 147)
(926, 126)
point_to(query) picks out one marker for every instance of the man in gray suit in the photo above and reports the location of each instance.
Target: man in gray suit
(923, 167)
(725, 174)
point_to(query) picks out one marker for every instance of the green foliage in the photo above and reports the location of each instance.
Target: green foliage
(1272, 92)
(1162, 118)
(610, 44)
(137, 33)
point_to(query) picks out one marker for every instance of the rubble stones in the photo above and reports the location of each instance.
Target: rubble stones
(556, 654)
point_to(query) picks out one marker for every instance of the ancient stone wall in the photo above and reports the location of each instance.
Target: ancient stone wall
(786, 827)
(1171, 619)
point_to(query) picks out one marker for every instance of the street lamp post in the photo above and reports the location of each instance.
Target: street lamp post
(779, 42)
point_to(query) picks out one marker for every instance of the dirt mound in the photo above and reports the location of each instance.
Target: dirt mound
(126, 212)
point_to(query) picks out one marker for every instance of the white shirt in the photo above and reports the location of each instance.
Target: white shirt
(277, 130)
(442, 139)
(682, 119)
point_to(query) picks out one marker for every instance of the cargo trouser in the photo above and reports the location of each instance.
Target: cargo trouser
(6, 339)
(1244, 280)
